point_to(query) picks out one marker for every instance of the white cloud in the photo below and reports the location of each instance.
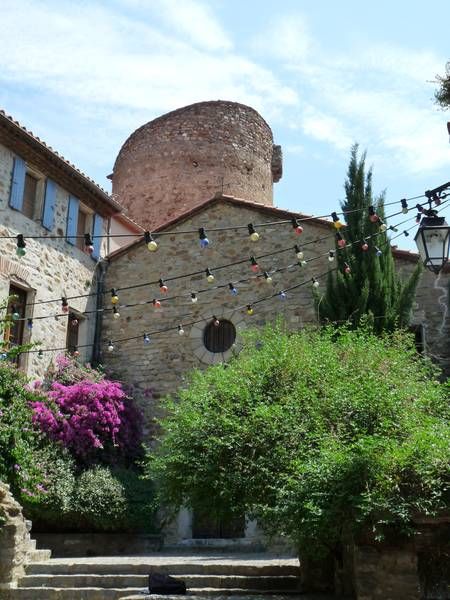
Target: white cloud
(101, 57)
(196, 21)
(378, 94)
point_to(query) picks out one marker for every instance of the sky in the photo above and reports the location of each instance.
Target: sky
(83, 75)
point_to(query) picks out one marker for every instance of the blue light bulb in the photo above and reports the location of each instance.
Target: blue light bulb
(204, 242)
(146, 339)
(283, 295)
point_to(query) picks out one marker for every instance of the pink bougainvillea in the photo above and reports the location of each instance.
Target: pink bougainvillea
(90, 418)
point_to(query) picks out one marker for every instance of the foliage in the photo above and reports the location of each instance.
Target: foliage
(19, 441)
(88, 414)
(442, 94)
(310, 432)
(372, 287)
(97, 499)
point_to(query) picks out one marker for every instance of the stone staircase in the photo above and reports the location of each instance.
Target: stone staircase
(120, 578)
(33, 554)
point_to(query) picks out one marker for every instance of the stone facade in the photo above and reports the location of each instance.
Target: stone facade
(14, 540)
(161, 366)
(51, 268)
(184, 157)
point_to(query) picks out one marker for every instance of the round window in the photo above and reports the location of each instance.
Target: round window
(219, 338)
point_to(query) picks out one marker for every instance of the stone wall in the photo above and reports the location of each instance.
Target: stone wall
(51, 268)
(161, 366)
(14, 540)
(184, 157)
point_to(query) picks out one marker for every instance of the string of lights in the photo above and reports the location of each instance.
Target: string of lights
(209, 271)
(249, 307)
(435, 195)
(231, 285)
(314, 281)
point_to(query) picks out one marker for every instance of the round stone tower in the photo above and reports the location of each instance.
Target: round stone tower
(187, 156)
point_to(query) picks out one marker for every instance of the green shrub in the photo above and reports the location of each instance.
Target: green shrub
(311, 433)
(19, 441)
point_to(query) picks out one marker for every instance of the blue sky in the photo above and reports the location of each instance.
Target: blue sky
(84, 74)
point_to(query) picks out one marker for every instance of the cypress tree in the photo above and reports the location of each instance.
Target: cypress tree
(372, 289)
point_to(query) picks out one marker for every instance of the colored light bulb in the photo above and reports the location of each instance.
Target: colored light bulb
(336, 222)
(88, 244)
(340, 240)
(283, 295)
(20, 250)
(297, 227)
(331, 255)
(114, 296)
(163, 287)
(254, 265)
(204, 242)
(40, 354)
(152, 245)
(267, 277)
(146, 339)
(315, 282)
(156, 303)
(249, 309)
(347, 269)
(180, 330)
(378, 251)
(383, 227)
(254, 235)
(216, 321)
(15, 316)
(74, 322)
(209, 276)
(110, 346)
(116, 313)
(298, 252)
(76, 353)
(30, 324)
(404, 206)
(373, 217)
(193, 298)
(364, 246)
(233, 290)
(394, 229)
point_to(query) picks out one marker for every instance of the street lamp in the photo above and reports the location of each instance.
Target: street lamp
(432, 239)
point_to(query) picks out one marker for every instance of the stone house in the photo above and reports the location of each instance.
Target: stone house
(43, 195)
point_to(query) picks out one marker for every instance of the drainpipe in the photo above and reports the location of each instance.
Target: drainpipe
(102, 267)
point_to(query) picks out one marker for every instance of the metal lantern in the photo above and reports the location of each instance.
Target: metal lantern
(432, 239)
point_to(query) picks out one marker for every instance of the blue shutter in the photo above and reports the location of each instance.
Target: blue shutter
(49, 205)
(17, 184)
(72, 220)
(97, 231)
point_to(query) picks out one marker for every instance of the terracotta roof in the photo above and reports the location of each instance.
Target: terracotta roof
(28, 136)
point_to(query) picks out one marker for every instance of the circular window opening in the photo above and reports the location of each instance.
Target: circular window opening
(219, 338)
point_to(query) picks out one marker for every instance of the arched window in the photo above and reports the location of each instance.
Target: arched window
(219, 338)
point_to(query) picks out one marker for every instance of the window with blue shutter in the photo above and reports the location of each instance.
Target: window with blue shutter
(48, 213)
(72, 220)
(97, 231)
(17, 184)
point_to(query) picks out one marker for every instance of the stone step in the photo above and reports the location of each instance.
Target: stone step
(31, 544)
(94, 593)
(161, 564)
(141, 581)
(38, 556)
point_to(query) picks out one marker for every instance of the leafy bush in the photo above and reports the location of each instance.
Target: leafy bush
(105, 500)
(88, 414)
(19, 441)
(311, 433)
